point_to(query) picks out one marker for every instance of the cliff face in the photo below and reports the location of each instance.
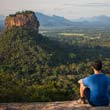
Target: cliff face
(24, 19)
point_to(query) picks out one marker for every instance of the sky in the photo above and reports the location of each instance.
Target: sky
(71, 9)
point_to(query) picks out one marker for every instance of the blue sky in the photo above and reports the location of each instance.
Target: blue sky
(71, 9)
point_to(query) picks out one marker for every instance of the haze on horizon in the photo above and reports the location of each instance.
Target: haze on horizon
(71, 9)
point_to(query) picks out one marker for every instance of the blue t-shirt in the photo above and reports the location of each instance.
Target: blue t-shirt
(98, 85)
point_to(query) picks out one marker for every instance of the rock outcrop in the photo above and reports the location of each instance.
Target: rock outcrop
(69, 105)
(26, 19)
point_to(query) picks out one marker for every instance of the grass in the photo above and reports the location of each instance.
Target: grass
(71, 34)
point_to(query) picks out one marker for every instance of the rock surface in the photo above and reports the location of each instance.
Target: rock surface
(69, 105)
(26, 19)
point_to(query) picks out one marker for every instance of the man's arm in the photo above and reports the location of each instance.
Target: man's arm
(82, 88)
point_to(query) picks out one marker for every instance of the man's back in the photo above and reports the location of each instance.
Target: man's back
(98, 85)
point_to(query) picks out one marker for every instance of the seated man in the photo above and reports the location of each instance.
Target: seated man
(95, 87)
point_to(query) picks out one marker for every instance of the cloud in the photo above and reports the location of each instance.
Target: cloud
(66, 8)
(98, 5)
(93, 4)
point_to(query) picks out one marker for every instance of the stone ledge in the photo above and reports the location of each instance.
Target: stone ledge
(69, 105)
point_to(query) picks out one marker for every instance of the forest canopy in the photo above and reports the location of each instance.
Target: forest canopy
(34, 67)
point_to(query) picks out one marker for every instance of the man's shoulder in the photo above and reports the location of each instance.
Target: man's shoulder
(90, 77)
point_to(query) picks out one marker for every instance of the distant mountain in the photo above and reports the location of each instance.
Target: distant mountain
(54, 20)
(101, 18)
(96, 21)
(93, 19)
(2, 19)
(57, 21)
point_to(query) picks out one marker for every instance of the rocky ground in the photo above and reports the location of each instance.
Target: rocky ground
(69, 105)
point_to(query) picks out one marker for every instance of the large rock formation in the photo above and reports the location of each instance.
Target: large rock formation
(69, 105)
(26, 19)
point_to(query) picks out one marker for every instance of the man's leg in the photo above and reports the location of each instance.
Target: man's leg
(87, 96)
(84, 94)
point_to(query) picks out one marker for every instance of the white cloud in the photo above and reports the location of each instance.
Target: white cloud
(97, 5)
(68, 8)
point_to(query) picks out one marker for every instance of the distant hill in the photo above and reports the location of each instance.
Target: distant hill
(57, 21)
(98, 19)
(95, 21)
(2, 18)
(54, 20)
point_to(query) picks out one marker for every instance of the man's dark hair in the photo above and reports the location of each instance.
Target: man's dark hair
(97, 65)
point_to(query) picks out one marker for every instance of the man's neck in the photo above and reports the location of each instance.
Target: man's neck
(97, 72)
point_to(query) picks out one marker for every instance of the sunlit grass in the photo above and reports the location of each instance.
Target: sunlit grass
(71, 34)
